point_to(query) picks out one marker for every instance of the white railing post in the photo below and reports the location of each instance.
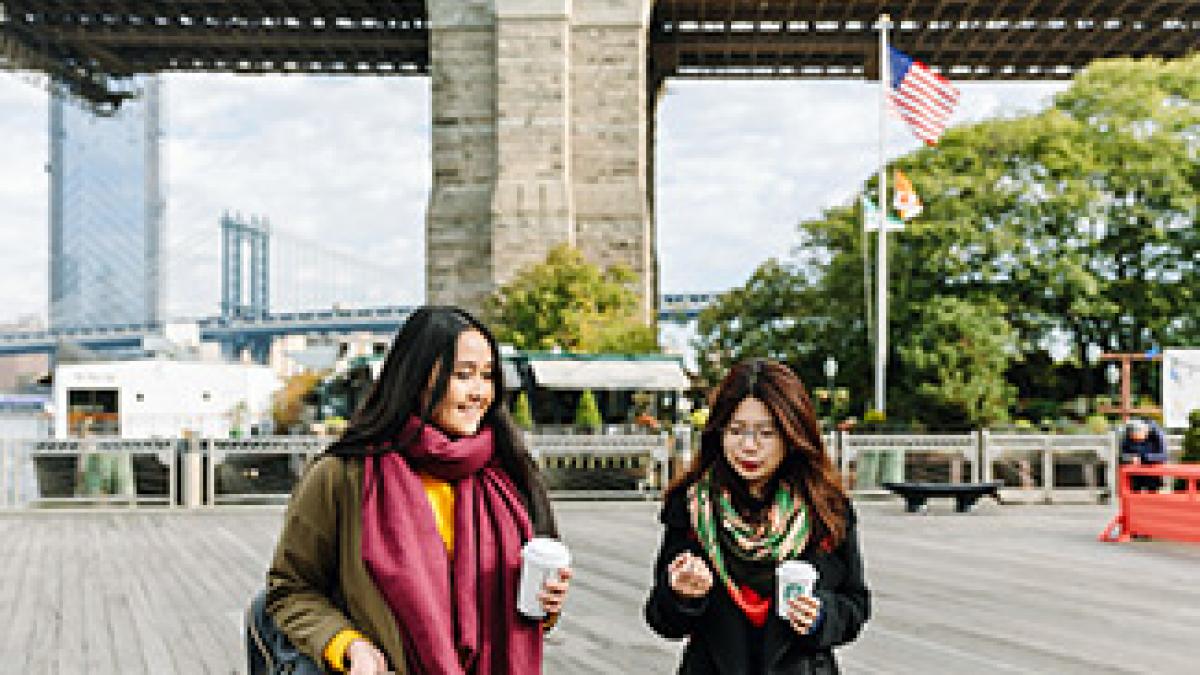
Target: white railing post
(24, 473)
(976, 473)
(1047, 469)
(683, 449)
(193, 473)
(844, 458)
(664, 465)
(214, 456)
(6, 500)
(172, 476)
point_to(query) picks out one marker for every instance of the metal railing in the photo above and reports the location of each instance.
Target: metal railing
(262, 469)
(1174, 447)
(1032, 467)
(1050, 468)
(199, 471)
(869, 460)
(87, 471)
(602, 465)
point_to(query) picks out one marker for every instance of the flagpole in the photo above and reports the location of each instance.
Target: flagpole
(881, 322)
(867, 285)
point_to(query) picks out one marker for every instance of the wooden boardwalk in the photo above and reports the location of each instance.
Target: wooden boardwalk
(1002, 590)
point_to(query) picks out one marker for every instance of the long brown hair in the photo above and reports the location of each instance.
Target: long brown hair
(806, 465)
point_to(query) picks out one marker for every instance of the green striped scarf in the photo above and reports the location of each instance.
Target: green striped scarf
(781, 535)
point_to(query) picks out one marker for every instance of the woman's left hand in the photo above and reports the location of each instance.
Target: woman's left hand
(803, 612)
(554, 593)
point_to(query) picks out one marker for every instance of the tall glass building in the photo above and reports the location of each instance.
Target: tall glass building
(106, 212)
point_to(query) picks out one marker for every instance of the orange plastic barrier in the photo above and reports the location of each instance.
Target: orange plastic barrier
(1174, 515)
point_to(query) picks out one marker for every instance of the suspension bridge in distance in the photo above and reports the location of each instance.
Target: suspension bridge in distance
(258, 262)
(256, 332)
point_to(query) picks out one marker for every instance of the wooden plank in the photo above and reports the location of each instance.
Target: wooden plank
(161, 588)
(47, 598)
(70, 641)
(152, 638)
(1004, 589)
(20, 569)
(193, 581)
(117, 578)
(97, 652)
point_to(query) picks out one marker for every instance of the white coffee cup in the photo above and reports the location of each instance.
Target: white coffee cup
(541, 559)
(793, 579)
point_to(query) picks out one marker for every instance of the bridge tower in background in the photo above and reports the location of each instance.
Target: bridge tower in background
(245, 281)
(245, 267)
(540, 137)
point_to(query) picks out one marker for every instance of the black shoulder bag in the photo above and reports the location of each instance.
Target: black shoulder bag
(268, 651)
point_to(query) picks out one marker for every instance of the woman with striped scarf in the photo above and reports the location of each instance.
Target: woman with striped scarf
(762, 491)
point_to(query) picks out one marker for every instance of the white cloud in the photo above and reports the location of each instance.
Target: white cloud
(24, 198)
(341, 165)
(740, 163)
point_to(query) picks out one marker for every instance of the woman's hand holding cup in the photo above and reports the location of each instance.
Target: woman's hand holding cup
(366, 659)
(689, 576)
(802, 613)
(554, 593)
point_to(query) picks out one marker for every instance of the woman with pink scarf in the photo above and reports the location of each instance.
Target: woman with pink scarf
(401, 547)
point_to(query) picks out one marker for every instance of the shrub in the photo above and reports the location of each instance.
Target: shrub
(587, 414)
(522, 415)
(1097, 424)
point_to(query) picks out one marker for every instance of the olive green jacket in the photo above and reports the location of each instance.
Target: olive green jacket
(317, 584)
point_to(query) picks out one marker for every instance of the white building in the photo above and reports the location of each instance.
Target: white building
(161, 398)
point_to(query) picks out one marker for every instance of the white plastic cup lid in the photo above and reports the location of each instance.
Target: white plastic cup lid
(796, 569)
(546, 552)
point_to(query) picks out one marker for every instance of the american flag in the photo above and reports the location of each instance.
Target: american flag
(922, 98)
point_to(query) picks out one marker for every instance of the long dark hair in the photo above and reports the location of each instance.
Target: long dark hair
(428, 340)
(806, 465)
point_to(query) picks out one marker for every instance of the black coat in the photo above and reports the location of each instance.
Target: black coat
(721, 636)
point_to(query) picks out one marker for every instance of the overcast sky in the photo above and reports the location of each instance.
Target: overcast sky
(341, 168)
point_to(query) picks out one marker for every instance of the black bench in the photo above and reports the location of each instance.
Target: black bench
(965, 494)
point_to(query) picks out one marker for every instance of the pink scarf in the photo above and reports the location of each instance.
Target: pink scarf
(457, 616)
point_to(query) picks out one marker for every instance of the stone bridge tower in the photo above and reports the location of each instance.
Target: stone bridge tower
(542, 131)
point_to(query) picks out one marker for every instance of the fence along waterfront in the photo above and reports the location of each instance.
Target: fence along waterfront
(218, 471)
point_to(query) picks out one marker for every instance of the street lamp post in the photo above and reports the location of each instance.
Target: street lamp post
(831, 366)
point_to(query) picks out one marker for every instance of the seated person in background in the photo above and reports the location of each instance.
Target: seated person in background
(1143, 443)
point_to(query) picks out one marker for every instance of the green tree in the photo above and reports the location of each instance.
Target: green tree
(1075, 225)
(568, 302)
(587, 414)
(959, 352)
(757, 319)
(1191, 439)
(522, 414)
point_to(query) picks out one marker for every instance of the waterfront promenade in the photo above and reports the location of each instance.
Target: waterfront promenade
(1003, 590)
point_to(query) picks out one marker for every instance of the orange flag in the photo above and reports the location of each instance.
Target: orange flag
(906, 202)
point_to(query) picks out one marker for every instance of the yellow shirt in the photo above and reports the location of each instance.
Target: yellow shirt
(441, 500)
